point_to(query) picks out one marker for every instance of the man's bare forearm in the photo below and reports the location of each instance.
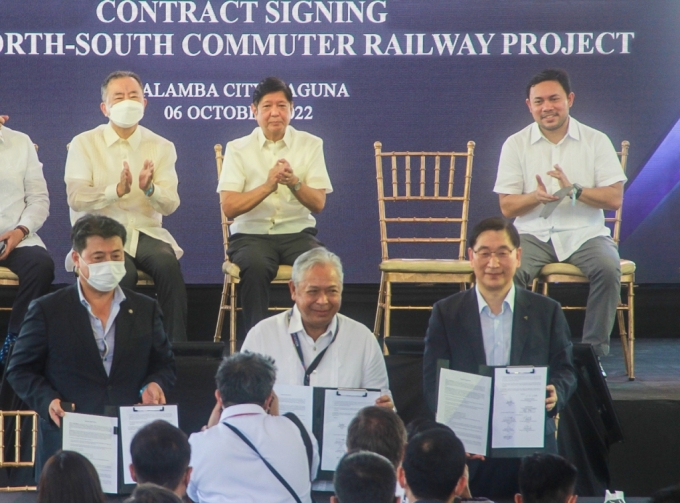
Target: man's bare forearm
(516, 205)
(606, 198)
(312, 199)
(237, 203)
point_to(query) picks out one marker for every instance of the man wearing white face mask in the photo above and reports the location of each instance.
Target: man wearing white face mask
(93, 344)
(126, 172)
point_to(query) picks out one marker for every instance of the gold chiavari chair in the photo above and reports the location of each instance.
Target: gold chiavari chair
(567, 273)
(402, 205)
(16, 462)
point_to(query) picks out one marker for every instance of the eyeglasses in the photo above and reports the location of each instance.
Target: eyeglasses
(501, 253)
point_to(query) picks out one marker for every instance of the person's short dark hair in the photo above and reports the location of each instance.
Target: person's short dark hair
(69, 476)
(152, 493)
(380, 430)
(494, 224)
(433, 463)
(271, 85)
(546, 478)
(364, 477)
(666, 495)
(119, 74)
(555, 74)
(95, 225)
(421, 424)
(160, 454)
(245, 378)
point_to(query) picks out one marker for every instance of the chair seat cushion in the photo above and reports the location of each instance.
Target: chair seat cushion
(6, 274)
(284, 273)
(627, 267)
(423, 265)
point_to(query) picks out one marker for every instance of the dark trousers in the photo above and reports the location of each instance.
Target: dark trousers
(159, 261)
(35, 269)
(259, 256)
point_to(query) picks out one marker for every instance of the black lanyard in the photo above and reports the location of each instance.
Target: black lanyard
(296, 342)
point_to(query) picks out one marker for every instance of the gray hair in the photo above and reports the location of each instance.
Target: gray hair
(314, 257)
(119, 74)
(245, 378)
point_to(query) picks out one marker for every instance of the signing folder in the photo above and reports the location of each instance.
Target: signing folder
(501, 414)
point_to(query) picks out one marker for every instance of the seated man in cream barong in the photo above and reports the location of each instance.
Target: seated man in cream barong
(126, 172)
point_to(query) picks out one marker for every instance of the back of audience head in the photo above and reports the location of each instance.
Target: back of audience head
(434, 466)
(666, 495)
(379, 430)
(160, 454)
(546, 478)
(69, 476)
(152, 493)
(364, 477)
(245, 378)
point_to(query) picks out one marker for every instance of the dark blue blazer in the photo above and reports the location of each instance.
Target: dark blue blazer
(540, 337)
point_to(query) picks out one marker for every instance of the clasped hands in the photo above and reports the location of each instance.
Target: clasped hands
(145, 178)
(541, 193)
(152, 395)
(282, 174)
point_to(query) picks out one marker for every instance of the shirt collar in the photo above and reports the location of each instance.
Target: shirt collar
(509, 300)
(111, 137)
(240, 409)
(118, 295)
(287, 137)
(295, 325)
(572, 131)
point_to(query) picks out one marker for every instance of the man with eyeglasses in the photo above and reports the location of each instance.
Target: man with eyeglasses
(92, 344)
(496, 324)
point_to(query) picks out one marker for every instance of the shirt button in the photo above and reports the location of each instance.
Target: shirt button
(314, 348)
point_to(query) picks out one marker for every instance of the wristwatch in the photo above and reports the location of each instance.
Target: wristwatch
(297, 186)
(578, 189)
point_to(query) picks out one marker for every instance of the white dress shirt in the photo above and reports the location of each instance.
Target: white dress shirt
(226, 469)
(587, 157)
(93, 166)
(246, 165)
(354, 360)
(497, 329)
(24, 199)
(105, 336)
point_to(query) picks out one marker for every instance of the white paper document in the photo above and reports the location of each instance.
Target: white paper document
(94, 437)
(463, 404)
(133, 419)
(519, 407)
(340, 407)
(296, 399)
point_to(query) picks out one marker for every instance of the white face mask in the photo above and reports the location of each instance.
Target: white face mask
(126, 113)
(105, 276)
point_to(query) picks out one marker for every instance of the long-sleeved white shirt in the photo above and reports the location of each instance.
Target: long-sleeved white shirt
(93, 167)
(24, 199)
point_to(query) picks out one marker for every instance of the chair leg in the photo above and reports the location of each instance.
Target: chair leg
(232, 318)
(223, 307)
(624, 339)
(387, 311)
(534, 285)
(381, 306)
(631, 330)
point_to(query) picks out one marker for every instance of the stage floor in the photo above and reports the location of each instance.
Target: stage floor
(657, 370)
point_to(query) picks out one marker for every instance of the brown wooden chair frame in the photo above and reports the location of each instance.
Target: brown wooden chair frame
(17, 463)
(228, 300)
(627, 281)
(422, 270)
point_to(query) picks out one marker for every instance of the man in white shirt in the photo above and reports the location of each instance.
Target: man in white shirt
(244, 430)
(24, 207)
(314, 345)
(272, 181)
(124, 171)
(556, 176)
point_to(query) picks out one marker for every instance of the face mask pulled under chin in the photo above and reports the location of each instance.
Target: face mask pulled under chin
(105, 276)
(126, 113)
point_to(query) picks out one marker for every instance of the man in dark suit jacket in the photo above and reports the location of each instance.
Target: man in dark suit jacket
(92, 344)
(495, 324)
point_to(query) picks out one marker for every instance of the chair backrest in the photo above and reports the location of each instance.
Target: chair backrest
(15, 461)
(219, 158)
(433, 191)
(615, 220)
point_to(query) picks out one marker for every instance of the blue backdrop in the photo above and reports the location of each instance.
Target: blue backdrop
(427, 75)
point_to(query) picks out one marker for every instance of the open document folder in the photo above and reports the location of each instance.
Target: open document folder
(501, 416)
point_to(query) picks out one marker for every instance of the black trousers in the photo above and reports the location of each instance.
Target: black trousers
(259, 256)
(158, 260)
(35, 269)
